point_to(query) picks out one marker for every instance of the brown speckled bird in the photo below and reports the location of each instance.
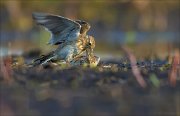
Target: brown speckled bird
(71, 36)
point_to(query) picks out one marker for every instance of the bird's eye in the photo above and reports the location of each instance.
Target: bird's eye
(90, 44)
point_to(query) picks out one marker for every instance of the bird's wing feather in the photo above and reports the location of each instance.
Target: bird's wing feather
(62, 29)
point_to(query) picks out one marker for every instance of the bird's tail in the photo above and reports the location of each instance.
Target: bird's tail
(43, 59)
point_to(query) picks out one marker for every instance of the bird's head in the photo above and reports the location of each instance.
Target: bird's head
(90, 42)
(84, 26)
(90, 45)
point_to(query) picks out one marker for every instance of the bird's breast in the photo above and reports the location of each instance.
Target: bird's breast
(80, 44)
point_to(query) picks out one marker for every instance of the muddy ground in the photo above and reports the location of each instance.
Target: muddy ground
(109, 89)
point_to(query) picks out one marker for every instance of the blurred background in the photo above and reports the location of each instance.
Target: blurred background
(149, 27)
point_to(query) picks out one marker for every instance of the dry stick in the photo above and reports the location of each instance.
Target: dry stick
(6, 69)
(174, 70)
(135, 69)
(7, 66)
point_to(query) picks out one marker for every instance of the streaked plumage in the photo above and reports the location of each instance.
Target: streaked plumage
(69, 35)
(83, 61)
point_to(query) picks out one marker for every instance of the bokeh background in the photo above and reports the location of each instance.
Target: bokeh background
(150, 27)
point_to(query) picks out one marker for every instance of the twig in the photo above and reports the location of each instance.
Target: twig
(135, 69)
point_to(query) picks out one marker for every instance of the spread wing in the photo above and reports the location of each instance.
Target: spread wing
(62, 29)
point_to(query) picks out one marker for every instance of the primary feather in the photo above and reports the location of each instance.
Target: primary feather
(63, 30)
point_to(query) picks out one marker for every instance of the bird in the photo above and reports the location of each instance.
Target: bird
(70, 36)
(84, 61)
